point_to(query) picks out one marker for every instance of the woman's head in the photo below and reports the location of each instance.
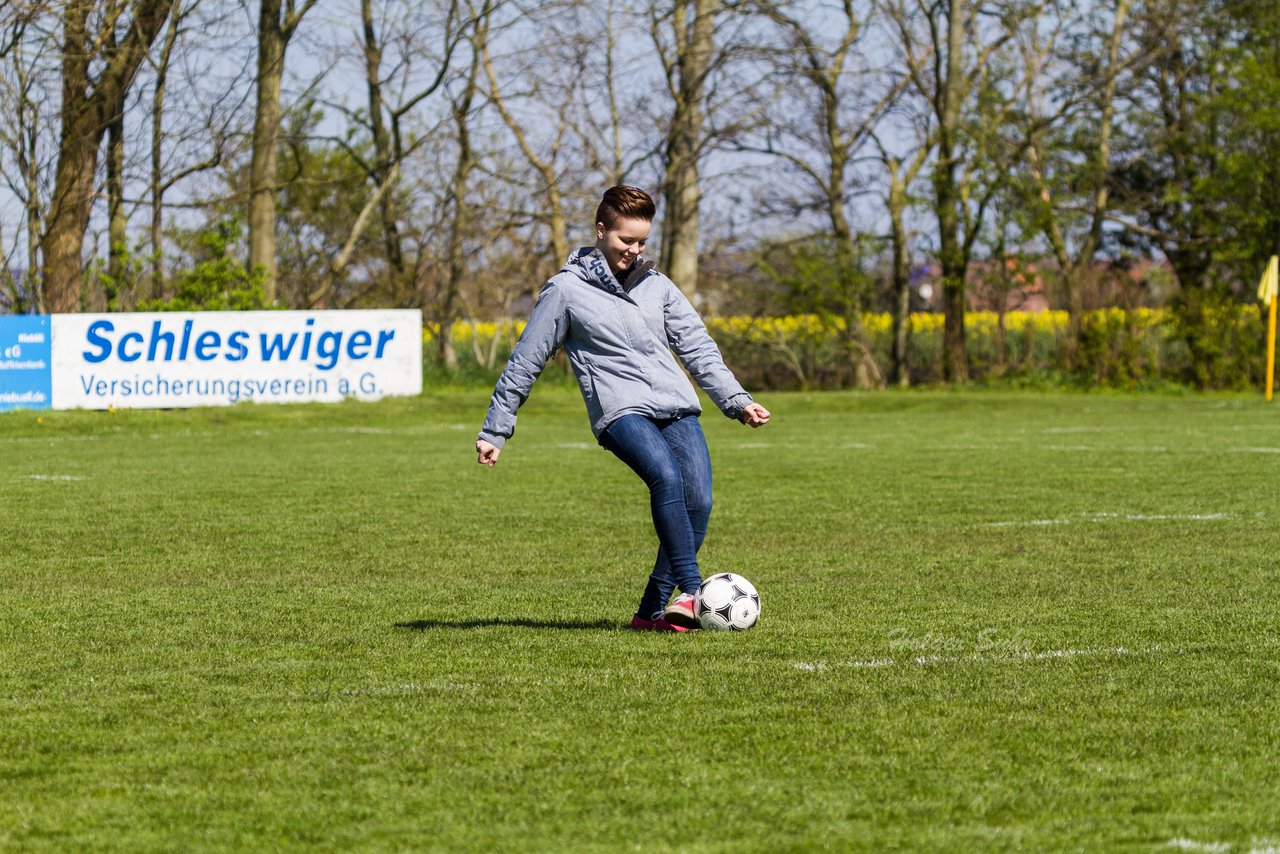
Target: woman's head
(623, 220)
(626, 202)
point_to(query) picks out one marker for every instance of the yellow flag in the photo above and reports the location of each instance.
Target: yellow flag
(1270, 281)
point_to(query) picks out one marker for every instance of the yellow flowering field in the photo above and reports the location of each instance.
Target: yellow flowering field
(1115, 346)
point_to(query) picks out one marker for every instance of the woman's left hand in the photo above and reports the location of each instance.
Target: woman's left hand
(755, 415)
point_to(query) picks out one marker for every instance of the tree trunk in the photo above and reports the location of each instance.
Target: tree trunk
(850, 295)
(680, 216)
(117, 250)
(557, 226)
(81, 133)
(157, 154)
(901, 275)
(272, 40)
(386, 157)
(694, 48)
(157, 189)
(615, 116)
(842, 233)
(63, 243)
(955, 365)
(948, 198)
(35, 214)
(460, 221)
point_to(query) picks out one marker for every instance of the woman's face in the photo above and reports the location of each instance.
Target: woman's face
(623, 243)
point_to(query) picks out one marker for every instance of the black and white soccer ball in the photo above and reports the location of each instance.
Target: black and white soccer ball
(727, 602)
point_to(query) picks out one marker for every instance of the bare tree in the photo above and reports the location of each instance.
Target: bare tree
(901, 173)
(684, 33)
(159, 91)
(197, 121)
(561, 107)
(590, 66)
(388, 106)
(98, 68)
(26, 77)
(949, 50)
(1068, 150)
(844, 104)
(549, 206)
(213, 132)
(462, 108)
(278, 20)
(616, 172)
(117, 221)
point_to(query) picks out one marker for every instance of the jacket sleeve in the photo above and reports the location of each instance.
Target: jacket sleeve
(546, 330)
(688, 337)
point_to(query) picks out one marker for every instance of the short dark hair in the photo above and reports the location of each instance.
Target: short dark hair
(624, 201)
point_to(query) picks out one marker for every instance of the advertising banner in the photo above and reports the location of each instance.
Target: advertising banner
(183, 359)
(26, 378)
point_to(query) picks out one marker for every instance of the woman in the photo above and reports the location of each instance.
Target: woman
(618, 320)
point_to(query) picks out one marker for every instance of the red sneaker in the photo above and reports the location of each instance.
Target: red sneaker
(681, 612)
(640, 624)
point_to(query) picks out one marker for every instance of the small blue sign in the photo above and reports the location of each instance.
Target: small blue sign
(26, 362)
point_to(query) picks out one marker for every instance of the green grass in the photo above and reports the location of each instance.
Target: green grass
(992, 621)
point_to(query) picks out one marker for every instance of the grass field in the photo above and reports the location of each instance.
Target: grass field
(992, 621)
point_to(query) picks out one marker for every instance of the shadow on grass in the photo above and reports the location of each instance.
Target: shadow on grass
(591, 625)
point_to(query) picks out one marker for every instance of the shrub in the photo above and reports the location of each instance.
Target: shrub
(1118, 348)
(220, 282)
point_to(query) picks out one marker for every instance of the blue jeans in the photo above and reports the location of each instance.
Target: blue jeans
(670, 455)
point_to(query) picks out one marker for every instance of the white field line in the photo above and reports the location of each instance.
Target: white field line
(28, 440)
(1027, 523)
(417, 430)
(1183, 844)
(384, 691)
(1113, 517)
(53, 477)
(1153, 517)
(750, 446)
(182, 434)
(974, 658)
(754, 446)
(1079, 430)
(1132, 449)
(391, 431)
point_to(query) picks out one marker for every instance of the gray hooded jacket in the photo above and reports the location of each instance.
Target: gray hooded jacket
(619, 342)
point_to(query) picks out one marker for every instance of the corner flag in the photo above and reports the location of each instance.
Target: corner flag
(1267, 292)
(1270, 282)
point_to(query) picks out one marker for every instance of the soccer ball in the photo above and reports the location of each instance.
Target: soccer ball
(727, 602)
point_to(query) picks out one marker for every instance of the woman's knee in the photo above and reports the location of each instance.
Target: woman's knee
(664, 474)
(699, 503)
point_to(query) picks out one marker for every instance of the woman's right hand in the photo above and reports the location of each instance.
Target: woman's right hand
(486, 453)
(755, 415)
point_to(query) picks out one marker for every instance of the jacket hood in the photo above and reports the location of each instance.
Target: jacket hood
(589, 265)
